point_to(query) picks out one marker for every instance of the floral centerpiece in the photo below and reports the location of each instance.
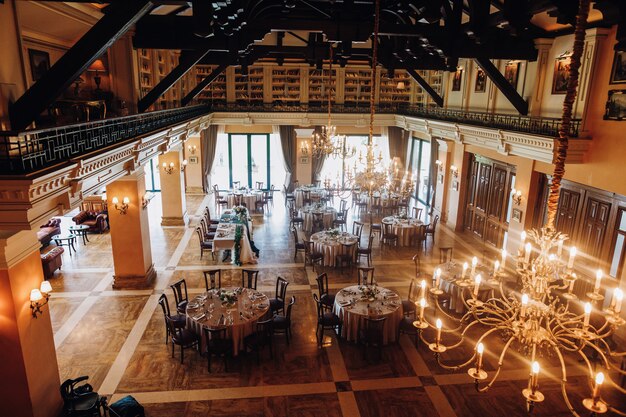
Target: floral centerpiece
(368, 293)
(333, 233)
(240, 210)
(228, 298)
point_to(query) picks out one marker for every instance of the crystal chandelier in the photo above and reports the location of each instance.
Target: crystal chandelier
(540, 321)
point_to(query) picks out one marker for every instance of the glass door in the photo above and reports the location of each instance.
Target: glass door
(259, 160)
(239, 166)
(244, 160)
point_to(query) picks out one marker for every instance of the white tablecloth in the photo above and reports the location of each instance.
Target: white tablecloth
(316, 194)
(387, 303)
(225, 239)
(307, 214)
(249, 199)
(251, 306)
(404, 228)
(331, 246)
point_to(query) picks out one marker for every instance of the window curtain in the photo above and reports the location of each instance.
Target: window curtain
(288, 145)
(317, 162)
(398, 144)
(208, 145)
(432, 173)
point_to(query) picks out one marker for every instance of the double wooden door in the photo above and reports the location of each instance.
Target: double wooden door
(487, 199)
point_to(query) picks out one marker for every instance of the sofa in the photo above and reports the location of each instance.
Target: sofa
(97, 221)
(46, 231)
(51, 261)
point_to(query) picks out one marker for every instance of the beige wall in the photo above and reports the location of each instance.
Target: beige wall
(12, 79)
(193, 172)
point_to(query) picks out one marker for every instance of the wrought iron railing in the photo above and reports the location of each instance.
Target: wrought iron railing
(34, 150)
(545, 126)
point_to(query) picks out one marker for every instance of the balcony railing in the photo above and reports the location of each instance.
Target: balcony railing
(35, 150)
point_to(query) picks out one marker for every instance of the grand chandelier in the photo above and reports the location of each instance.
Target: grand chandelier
(541, 320)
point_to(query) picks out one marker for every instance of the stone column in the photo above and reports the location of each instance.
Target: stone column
(193, 172)
(542, 67)
(173, 189)
(130, 232)
(29, 363)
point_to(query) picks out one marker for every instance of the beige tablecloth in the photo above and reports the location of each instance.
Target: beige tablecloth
(328, 213)
(249, 199)
(351, 307)
(316, 194)
(331, 246)
(207, 310)
(225, 239)
(404, 228)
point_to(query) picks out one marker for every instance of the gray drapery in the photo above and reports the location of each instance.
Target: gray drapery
(208, 145)
(398, 143)
(434, 155)
(317, 162)
(288, 145)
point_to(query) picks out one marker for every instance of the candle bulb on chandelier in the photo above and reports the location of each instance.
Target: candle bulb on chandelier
(465, 266)
(474, 263)
(524, 305)
(596, 288)
(522, 240)
(587, 316)
(479, 360)
(534, 377)
(618, 296)
(527, 250)
(438, 324)
(437, 277)
(423, 288)
(572, 255)
(503, 258)
(559, 248)
(477, 285)
(422, 307)
(496, 267)
(596, 388)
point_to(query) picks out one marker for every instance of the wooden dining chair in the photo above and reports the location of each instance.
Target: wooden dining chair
(213, 279)
(365, 275)
(249, 278)
(445, 254)
(277, 304)
(181, 298)
(217, 344)
(417, 213)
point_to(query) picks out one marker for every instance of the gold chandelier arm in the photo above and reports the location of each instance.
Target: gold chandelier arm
(462, 337)
(500, 362)
(564, 379)
(445, 314)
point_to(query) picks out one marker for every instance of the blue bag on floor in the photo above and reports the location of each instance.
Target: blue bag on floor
(127, 407)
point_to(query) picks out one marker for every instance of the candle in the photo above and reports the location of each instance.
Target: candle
(534, 377)
(474, 263)
(437, 277)
(559, 248)
(164, 164)
(422, 307)
(496, 267)
(572, 255)
(596, 288)
(465, 266)
(524, 305)
(571, 284)
(439, 325)
(503, 258)
(618, 296)
(596, 388)
(476, 285)
(479, 361)
(527, 249)
(587, 315)
(423, 288)
(522, 239)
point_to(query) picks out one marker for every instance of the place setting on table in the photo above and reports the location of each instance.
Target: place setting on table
(234, 236)
(311, 211)
(356, 302)
(315, 193)
(237, 309)
(243, 195)
(403, 226)
(330, 243)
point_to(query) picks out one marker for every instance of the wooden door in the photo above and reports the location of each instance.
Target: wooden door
(567, 211)
(594, 225)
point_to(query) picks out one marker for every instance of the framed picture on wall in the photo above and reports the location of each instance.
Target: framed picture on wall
(481, 81)
(616, 105)
(511, 71)
(193, 159)
(516, 215)
(457, 79)
(455, 185)
(618, 72)
(39, 63)
(561, 75)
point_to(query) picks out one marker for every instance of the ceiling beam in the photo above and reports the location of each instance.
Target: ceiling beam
(186, 62)
(203, 84)
(429, 90)
(76, 61)
(503, 85)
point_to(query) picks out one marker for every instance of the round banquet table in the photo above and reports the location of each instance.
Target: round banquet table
(351, 306)
(316, 194)
(207, 310)
(452, 284)
(328, 215)
(248, 198)
(404, 228)
(331, 245)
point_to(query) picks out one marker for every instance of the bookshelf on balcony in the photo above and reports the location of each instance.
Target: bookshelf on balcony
(357, 86)
(389, 91)
(286, 84)
(214, 92)
(318, 85)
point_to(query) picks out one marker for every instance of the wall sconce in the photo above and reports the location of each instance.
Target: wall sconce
(145, 200)
(122, 208)
(439, 165)
(304, 149)
(192, 149)
(454, 171)
(183, 166)
(39, 298)
(516, 196)
(168, 169)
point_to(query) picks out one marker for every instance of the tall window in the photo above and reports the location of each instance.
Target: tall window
(151, 171)
(420, 165)
(334, 169)
(247, 159)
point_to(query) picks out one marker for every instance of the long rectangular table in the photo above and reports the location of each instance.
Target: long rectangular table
(225, 237)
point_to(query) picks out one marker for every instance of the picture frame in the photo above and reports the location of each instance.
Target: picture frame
(457, 79)
(516, 215)
(480, 85)
(561, 75)
(193, 159)
(616, 105)
(511, 73)
(618, 70)
(39, 63)
(455, 185)
(440, 178)
(304, 159)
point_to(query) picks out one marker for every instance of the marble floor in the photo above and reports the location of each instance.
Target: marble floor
(116, 337)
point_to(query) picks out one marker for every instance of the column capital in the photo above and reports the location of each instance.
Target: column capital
(304, 133)
(15, 246)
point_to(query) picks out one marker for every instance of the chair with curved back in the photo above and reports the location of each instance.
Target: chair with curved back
(204, 243)
(260, 338)
(417, 213)
(346, 255)
(249, 278)
(207, 217)
(418, 264)
(341, 220)
(220, 201)
(408, 305)
(357, 229)
(277, 304)
(298, 246)
(179, 319)
(431, 229)
(294, 219)
(181, 298)
(445, 254)
(326, 320)
(311, 256)
(365, 251)
(388, 234)
(236, 185)
(371, 334)
(282, 323)
(365, 276)
(217, 344)
(182, 337)
(212, 279)
(259, 185)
